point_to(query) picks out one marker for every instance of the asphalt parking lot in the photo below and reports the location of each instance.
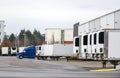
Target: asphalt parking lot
(12, 67)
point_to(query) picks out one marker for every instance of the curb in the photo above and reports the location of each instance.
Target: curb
(103, 70)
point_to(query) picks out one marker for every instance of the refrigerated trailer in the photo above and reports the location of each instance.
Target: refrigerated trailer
(28, 52)
(98, 45)
(98, 39)
(101, 45)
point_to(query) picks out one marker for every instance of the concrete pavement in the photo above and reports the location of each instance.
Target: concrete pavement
(11, 67)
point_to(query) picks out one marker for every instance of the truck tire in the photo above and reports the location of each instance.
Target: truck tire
(38, 57)
(20, 57)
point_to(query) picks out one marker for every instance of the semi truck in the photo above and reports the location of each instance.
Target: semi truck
(28, 52)
(53, 51)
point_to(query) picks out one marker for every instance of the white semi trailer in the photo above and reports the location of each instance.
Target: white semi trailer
(98, 45)
(102, 45)
(10, 51)
(5, 51)
(56, 51)
(13, 51)
(98, 39)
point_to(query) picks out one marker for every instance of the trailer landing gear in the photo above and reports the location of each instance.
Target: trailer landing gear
(113, 62)
(104, 63)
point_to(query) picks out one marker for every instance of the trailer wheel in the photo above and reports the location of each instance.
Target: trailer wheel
(20, 57)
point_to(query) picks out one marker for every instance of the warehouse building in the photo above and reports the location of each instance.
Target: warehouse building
(108, 21)
(58, 36)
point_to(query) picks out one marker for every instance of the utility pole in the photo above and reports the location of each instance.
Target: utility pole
(24, 39)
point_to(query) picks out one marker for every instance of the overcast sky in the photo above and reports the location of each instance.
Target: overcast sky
(41, 14)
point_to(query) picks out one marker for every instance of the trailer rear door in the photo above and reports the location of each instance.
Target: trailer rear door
(114, 44)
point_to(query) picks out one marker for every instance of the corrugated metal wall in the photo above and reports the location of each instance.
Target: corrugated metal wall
(111, 20)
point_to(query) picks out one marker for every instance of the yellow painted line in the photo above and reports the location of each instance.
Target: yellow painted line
(103, 70)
